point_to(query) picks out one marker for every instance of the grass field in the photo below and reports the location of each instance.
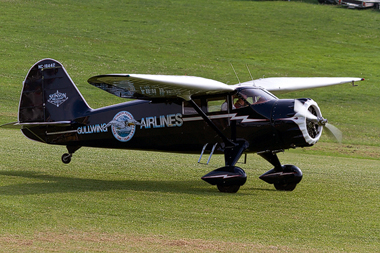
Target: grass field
(135, 201)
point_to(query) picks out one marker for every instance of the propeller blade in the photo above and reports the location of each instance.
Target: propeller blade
(303, 111)
(334, 132)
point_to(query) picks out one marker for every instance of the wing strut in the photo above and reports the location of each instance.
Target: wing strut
(227, 141)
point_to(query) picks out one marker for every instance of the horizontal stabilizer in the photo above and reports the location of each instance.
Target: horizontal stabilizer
(19, 125)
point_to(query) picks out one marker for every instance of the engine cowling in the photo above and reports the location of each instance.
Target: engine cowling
(310, 129)
(295, 129)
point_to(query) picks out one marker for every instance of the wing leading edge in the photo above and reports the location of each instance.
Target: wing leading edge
(278, 85)
(142, 86)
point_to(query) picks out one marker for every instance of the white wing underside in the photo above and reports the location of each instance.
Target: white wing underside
(143, 86)
(278, 85)
(158, 86)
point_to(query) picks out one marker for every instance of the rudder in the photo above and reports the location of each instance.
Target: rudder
(49, 95)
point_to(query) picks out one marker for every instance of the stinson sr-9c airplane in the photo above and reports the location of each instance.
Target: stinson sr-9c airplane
(185, 114)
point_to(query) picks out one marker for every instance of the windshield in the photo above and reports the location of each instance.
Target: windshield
(251, 97)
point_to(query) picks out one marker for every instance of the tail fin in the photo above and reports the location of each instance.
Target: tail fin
(49, 95)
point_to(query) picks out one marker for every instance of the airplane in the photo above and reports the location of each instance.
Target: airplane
(184, 114)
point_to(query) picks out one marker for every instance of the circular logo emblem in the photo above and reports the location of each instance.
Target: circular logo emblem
(123, 126)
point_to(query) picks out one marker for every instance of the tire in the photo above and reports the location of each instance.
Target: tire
(66, 158)
(285, 187)
(228, 188)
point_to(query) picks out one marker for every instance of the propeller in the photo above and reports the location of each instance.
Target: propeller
(330, 129)
(334, 132)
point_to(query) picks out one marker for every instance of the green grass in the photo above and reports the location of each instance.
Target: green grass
(114, 192)
(114, 200)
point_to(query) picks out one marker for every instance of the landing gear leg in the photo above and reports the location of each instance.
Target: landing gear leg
(228, 178)
(66, 157)
(283, 177)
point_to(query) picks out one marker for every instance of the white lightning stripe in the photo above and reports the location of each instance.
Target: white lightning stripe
(192, 118)
(245, 119)
(62, 132)
(281, 174)
(223, 176)
(232, 116)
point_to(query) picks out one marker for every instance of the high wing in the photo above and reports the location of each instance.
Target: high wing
(143, 86)
(278, 85)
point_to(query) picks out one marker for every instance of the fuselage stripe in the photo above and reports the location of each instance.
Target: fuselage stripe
(232, 116)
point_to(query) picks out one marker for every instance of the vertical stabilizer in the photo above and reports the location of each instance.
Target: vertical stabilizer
(49, 95)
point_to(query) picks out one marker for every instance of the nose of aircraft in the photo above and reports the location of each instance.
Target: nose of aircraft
(309, 119)
(314, 118)
(298, 122)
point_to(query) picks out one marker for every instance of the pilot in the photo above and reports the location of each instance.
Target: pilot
(240, 103)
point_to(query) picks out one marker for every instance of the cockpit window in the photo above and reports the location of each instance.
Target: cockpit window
(248, 97)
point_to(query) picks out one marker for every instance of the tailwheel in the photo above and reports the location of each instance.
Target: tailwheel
(228, 188)
(66, 158)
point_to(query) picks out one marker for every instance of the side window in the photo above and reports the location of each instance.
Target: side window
(188, 109)
(208, 105)
(217, 104)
